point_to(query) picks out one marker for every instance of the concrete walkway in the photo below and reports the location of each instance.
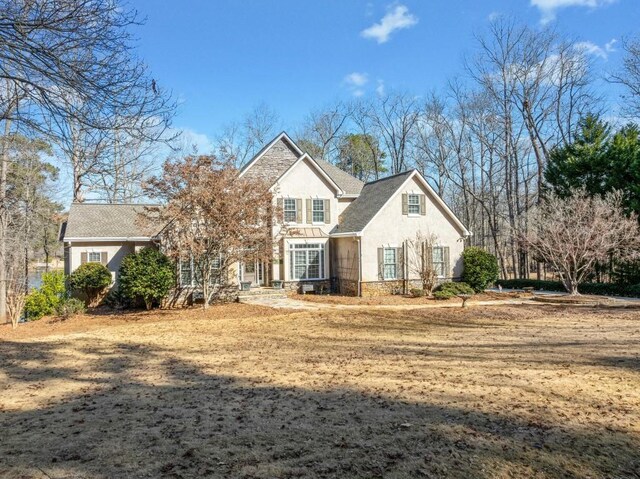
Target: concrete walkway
(298, 304)
(292, 303)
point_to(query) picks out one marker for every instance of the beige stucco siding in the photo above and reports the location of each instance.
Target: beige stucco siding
(116, 251)
(391, 228)
(303, 181)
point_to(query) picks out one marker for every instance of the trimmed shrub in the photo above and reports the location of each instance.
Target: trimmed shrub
(148, 275)
(116, 300)
(44, 300)
(90, 279)
(480, 268)
(607, 289)
(417, 293)
(70, 307)
(451, 289)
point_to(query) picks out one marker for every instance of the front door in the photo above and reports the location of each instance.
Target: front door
(253, 271)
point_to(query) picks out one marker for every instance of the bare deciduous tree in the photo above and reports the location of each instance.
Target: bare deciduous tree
(213, 218)
(573, 234)
(629, 77)
(240, 141)
(420, 259)
(322, 129)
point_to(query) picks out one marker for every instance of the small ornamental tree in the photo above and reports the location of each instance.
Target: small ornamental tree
(146, 275)
(572, 234)
(214, 218)
(90, 279)
(420, 251)
(480, 268)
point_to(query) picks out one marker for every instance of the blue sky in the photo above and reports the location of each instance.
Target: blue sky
(222, 58)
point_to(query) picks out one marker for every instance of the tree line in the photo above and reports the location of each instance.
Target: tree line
(491, 142)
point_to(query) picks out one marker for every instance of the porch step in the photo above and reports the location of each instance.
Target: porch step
(262, 293)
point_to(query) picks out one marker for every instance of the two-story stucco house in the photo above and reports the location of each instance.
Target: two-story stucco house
(336, 231)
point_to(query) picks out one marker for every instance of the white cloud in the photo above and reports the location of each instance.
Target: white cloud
(380, 88)
(356, 79)
(548, 8)
(355, 82)
(591, 48)
(396, 19)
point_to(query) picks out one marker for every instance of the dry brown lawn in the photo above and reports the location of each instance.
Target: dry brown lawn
(397, 300)
(484, 392)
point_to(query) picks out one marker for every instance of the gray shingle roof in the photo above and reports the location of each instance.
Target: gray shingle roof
(372, 198)
(347, 183)
(90, 220)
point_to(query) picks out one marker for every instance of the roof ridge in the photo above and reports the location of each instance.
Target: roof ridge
(78, 203)
(390, 176)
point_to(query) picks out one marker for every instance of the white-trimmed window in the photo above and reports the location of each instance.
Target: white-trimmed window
(413, 204)
(189, 275)
(438, 260)
(317, 210)
(94, 257)
(290, 210)
(306, 261)
(186, 278)
(390, 263)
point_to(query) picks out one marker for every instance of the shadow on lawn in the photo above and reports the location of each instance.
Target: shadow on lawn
(183, 422)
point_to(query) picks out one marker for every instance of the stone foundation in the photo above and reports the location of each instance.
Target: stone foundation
(320, 285)
(347, 287)
(383, 288)
(188, 296)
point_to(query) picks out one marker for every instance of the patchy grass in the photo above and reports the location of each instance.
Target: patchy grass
(484, 392)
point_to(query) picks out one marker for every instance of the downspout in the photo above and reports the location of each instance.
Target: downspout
(359, 241)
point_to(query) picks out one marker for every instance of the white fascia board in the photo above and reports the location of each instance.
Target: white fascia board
(105, 239)
(346, 235)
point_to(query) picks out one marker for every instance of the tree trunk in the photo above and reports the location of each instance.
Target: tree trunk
(4, 223)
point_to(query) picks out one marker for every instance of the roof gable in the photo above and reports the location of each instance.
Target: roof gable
(318, 171)
(377, 194)
(273, 160)
(282, 153)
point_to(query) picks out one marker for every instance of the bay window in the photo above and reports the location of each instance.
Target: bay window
(306, 261)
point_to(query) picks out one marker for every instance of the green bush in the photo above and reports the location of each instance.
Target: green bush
(44, 300)
(36, 306)
(148, 275)
(607, 289)
(451, 289)
(417, 293)
(480, 268)
(116, 300)
(70, 307)
(90, 279)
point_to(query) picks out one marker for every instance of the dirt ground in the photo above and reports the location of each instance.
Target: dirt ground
(387, 300)
(538, 391)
